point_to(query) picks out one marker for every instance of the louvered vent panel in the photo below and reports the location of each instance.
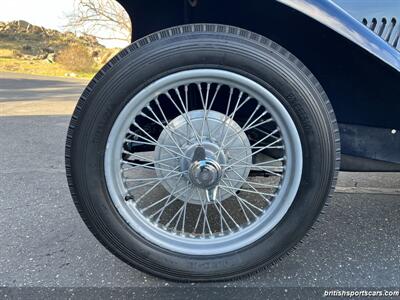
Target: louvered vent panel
(388, 29)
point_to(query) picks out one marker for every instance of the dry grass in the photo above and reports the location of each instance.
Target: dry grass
(76, 58)
(38, 67)
(6, 53)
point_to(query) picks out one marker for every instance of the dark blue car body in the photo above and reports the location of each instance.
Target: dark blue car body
(351, 46)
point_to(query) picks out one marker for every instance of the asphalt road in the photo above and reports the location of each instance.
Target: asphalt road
(44, 243)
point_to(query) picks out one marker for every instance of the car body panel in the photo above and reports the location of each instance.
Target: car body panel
(343, 17)
(331, 15)
(358, 69)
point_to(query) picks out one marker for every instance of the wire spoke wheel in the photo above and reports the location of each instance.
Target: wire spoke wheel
(203, 162)
(202, 152)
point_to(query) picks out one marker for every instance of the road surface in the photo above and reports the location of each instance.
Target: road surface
(44, 243)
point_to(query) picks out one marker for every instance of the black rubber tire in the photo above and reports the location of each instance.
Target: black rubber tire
(188, 47)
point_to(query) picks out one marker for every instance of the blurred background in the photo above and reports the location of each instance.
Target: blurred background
(71, 38)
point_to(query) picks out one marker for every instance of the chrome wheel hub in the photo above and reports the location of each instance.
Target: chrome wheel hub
(205, 172)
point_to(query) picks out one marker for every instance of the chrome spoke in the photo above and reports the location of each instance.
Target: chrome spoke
(204, 103)
(243, 204)
(161, 200)
(207, 109)
(156, 181)
(251, 126)
(166, 121)
(262, 167)
(221, 216)
(226, 212)
(244, 201)
(159, 212)
(251, 186)
(262, 164)
(258, 124)
(148, 165)
(186, 109)
(151, 141)
(251, 183)
(167, 130)
(254, 148)
(226, 118)
(232, 117)
(254, 153)
(184, 115)
(249, 191)
(205, 216)
(184, 211)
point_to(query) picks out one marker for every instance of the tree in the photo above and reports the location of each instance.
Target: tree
(104, 19)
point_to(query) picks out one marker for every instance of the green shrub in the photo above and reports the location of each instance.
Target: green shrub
(76, 58)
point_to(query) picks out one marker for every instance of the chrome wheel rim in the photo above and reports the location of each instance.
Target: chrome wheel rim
(186, 158)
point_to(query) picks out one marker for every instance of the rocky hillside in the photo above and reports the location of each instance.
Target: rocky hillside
(22, 40)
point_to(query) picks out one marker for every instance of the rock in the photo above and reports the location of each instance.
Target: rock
(27, 57)
(70, 75)
(27, 48)
(48, 50)
(22, 25)
(24, 30)
(95, 53)
(42, 56)
(89, 39)
(69, 35)
(38, 43)
(34, 29)
(51, 57)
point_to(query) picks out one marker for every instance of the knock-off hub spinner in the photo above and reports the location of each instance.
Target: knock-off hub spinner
(204, 173)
